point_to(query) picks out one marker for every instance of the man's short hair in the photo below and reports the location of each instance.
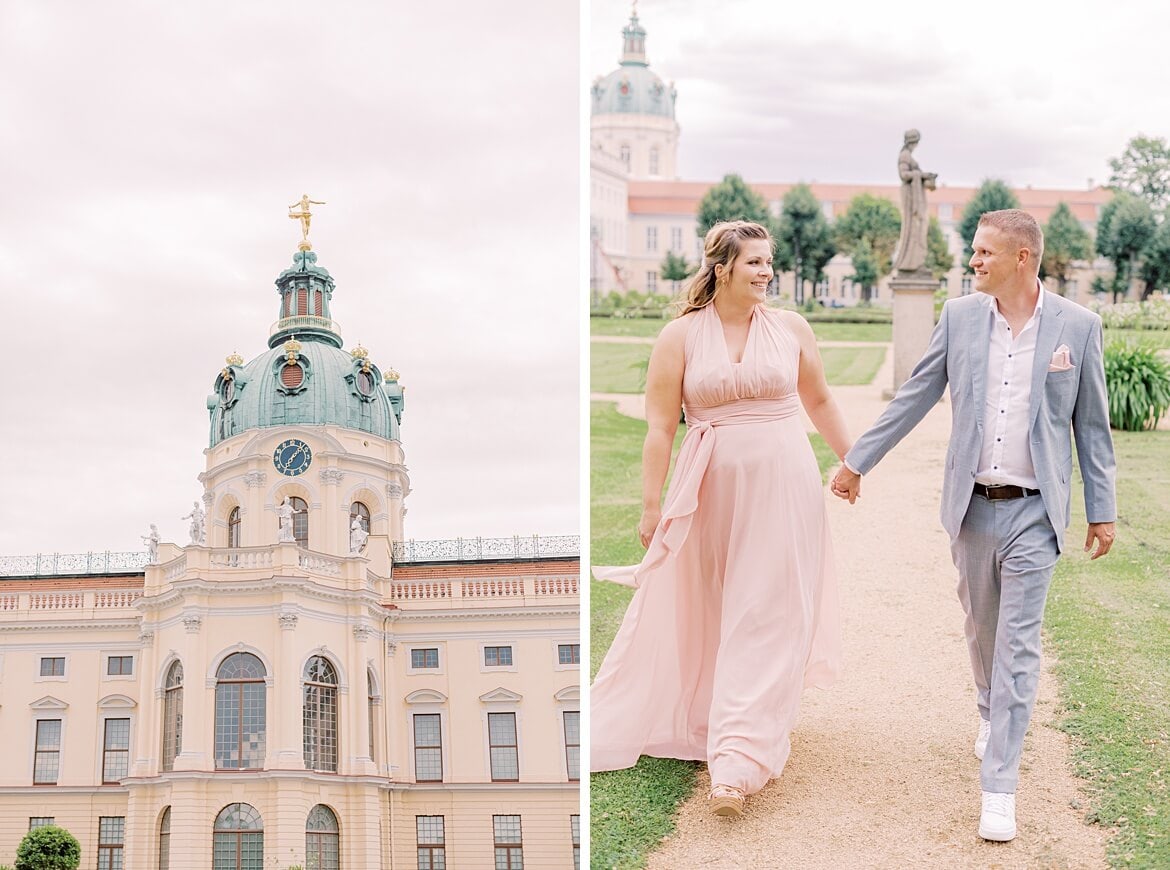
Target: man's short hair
(1020, 227)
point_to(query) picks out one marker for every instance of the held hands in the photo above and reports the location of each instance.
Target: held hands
(647, 524)
(1103, 534)
(846, 484)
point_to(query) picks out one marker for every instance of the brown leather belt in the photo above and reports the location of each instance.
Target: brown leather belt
(1000, 491)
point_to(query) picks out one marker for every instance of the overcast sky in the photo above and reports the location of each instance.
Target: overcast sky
(151, 151)
(1033, 93)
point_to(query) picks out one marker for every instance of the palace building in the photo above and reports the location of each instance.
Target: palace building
(300, 685)
(639, 209)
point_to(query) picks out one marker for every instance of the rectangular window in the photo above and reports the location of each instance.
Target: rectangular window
(497, 656)
(575, 827)
(47, 761)
(505, 756)
(424, 658)
(41, 822)
(116, 755)
(428, 748)
(432, 847)
(111, 833)
(53, 666)
(676, 238)
(509, 847)
(965, 285)
(569, 653)
(1072, 288)
(651, 238)
(119, 666)
(946, 211)
(651, 282)
(573, 744)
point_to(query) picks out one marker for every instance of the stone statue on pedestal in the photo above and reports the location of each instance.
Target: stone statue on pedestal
(151, 542)
(357, 536)
(910, 256)
(196, 517)
(285, 512)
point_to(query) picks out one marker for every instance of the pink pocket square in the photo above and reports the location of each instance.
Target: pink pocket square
(1060, 360)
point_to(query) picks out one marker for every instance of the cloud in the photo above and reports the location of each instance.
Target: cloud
(147, 224)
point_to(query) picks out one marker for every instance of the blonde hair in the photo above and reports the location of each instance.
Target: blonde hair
(721, 246)
(1020, 227)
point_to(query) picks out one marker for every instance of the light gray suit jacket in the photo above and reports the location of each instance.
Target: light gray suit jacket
(957, 355)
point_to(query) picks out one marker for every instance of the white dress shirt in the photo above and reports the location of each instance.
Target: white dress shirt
(1005, 457)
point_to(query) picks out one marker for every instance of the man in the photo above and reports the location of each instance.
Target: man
(1024, 366)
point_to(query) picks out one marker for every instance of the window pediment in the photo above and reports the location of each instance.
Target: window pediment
(426, 696)
(569, 693)
(500, 695)
(123, 702)
(49, 703)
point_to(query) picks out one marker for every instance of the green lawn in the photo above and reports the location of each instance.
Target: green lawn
(1156, 337)
(851, 365)
(1109, 622)
(644, 328)
(631, 810)
(620, 368)
(617, 368)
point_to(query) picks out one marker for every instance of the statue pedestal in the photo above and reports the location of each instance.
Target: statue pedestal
(913, 323)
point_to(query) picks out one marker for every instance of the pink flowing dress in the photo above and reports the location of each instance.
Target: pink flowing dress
(736, 603)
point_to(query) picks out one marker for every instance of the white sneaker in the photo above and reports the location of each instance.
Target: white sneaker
(982, 738)
(998, 819)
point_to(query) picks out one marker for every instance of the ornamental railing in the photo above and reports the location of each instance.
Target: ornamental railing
(304, 321)
(32, 603)
(70, 564)
(507, 588)
(479, 549)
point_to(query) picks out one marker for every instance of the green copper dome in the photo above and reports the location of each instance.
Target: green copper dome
(305, 378)
(632, 88)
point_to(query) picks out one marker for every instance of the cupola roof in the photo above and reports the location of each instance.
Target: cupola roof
(633, 89)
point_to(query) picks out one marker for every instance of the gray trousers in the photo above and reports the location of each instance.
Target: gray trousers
(1005, 553)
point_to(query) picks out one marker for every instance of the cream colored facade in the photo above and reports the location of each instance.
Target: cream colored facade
(247, 702)
(661, 217)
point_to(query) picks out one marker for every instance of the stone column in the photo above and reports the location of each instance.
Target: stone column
(913, 322)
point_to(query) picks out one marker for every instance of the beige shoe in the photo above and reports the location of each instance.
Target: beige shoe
(726, 800)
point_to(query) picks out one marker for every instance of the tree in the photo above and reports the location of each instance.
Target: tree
(48, 848)
(1144, 170)
(866, 269)
(869, 229)
(992, 195)
(1156, 260)
(939, 259)
(730, 200)
(1124, 229)
(675, 267)
(1065, 241)
(804, 239)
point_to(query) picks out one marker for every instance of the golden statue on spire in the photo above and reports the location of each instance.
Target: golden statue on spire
(304, 216)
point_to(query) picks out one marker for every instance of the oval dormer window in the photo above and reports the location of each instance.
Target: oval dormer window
(365, 383)
(291, 375)
(228, 390)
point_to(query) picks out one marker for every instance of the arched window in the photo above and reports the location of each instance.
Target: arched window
(322, 844)
(238, 839)
(624, 151)
(653, 161)
(164, 840)
(300, 520)
(320, 716)
(371, 702)
(240, 708)
(234, 528)
(172, 736)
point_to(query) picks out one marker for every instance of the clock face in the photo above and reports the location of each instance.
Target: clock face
(292, 457)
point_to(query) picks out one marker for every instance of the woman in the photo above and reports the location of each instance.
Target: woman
(736, 604)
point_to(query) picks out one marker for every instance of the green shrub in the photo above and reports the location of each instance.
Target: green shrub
(48, 848)
(1138, 381)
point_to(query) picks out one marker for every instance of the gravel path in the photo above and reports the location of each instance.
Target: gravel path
(882, 774)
